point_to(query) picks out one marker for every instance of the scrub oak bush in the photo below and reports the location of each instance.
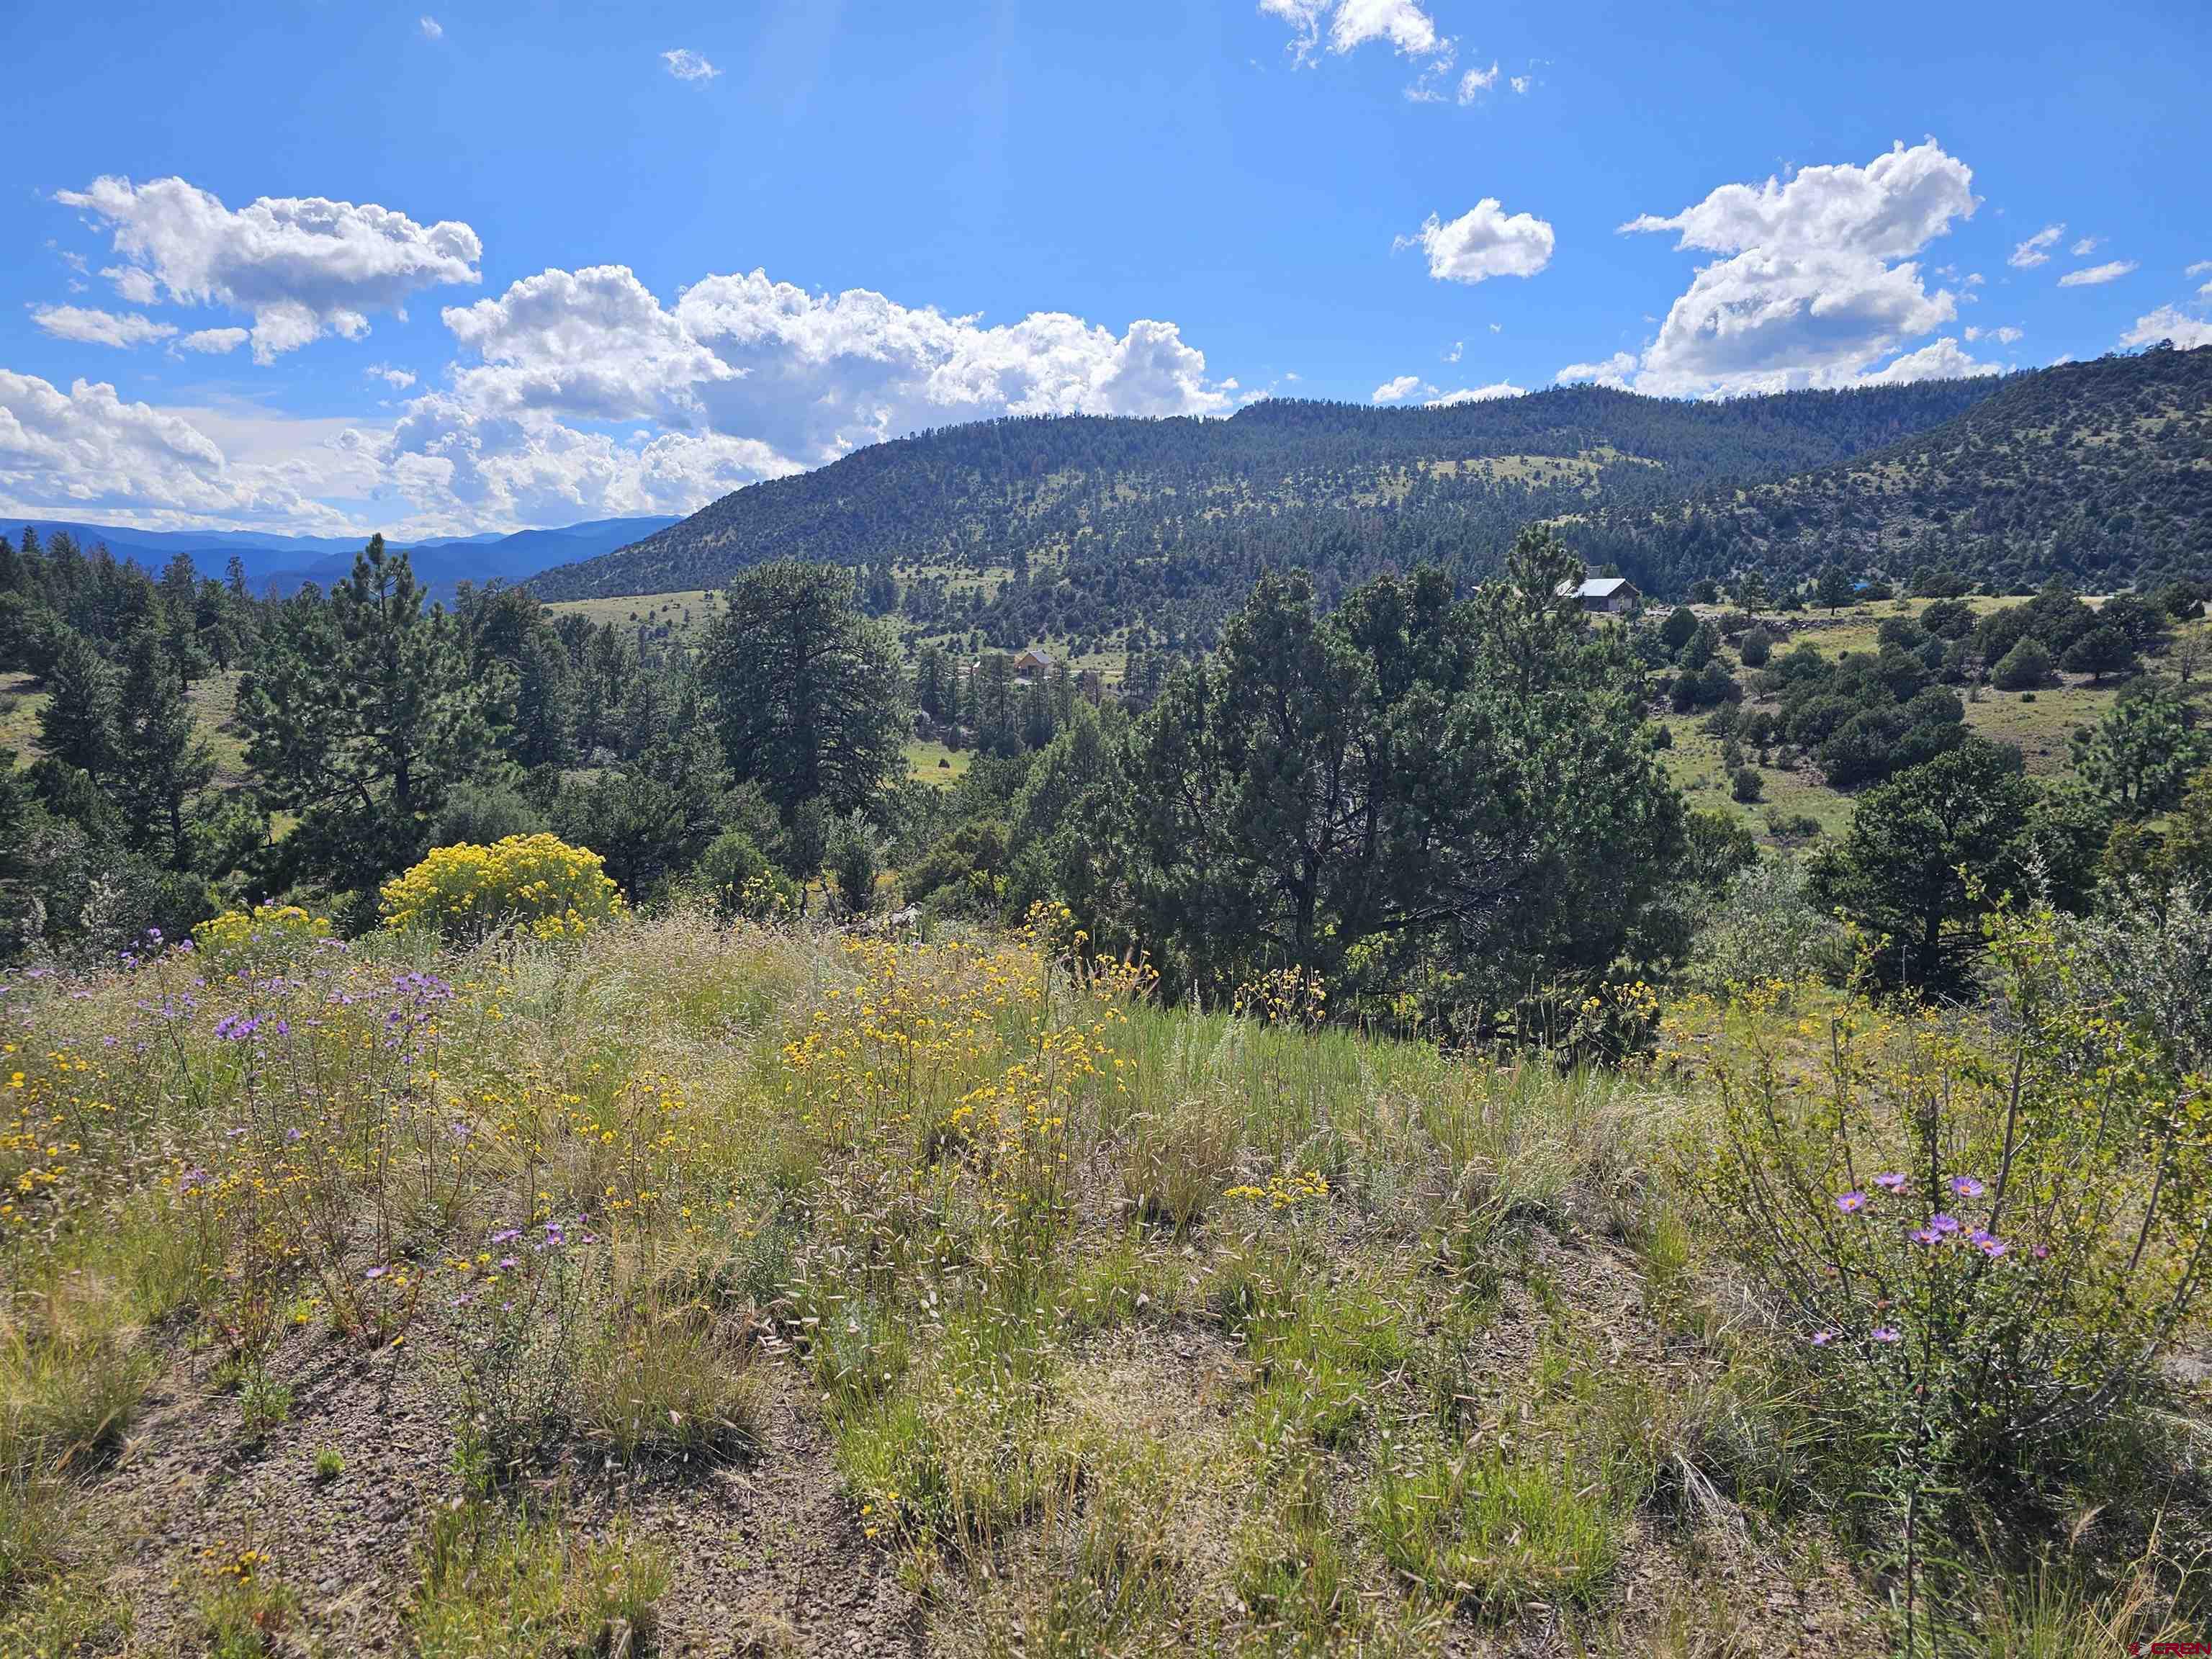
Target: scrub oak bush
(536, 884)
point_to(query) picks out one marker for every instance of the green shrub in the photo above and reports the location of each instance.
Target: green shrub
(740, 881)
(2026, 665)
(1746, 786)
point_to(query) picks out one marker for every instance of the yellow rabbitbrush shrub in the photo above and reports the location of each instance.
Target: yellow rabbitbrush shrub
(536, 884)
(259, 940)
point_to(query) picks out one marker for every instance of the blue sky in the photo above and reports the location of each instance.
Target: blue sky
(330, 267)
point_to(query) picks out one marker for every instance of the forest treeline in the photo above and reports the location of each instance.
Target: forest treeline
(2094, 472)
(1443, 799)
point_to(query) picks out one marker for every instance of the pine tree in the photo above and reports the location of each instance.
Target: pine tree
(78, 725)
(811, 698)
(161, 763)
(362, 712)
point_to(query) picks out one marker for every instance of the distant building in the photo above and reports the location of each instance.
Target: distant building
(1035, 662)
(1615, 595)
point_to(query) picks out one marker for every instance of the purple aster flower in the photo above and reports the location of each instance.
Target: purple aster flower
(1965, 1186)
(1890, 1181)
(1944, 1224)
(507, 1235)
(1850, 1203)
(2042, 1251)
(191, 1181)
(507, 1264)
(1822, 1339)
(1885, 1334)
(375, 1272)
(1988, 1244)
(1926, 1236)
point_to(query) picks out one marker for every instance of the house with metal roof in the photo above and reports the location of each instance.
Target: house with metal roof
(1615, 595)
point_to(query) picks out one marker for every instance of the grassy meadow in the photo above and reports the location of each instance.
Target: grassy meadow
(213, 699)
(2041, 724)
(702, 1290)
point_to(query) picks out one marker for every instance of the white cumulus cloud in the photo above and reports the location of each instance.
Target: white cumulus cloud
(2096, 276)
(2036, 249)
(302, 266)
(214, 342)
(1940, 359)
(687, 65)
(431, 27)
(88, 326)
(1483, 242)
(1614, 371)
(2087, 246)
(86, 451)
(1348, 24)
(1397, 391)
(1818, 282)
(2169, 323)
(398, 379)
(1476, 81)
(1475, 394)
(742, 378)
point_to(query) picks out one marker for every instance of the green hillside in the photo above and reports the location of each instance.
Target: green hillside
(1106, 520)
(2099, 471)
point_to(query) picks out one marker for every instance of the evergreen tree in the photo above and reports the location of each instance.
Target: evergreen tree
(360, 712)
(809, 694)
(1408, 790)
(78, 725)
(2142, 752)
(1833, 590)
(161, 763)
(1930, 849)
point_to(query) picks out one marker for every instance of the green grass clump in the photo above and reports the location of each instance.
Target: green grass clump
(1479, 1528)
(496, 1584)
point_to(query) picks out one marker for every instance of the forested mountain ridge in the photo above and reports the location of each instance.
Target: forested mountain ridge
(2100, 473)
(1102, 498)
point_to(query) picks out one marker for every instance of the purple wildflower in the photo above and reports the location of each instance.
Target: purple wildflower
(1988, 1244)
(507, 1264)
(193, 1180)
(1885, 1334)
(1944, 1224)
(507, 1235)
(1926, 1236)
(1822, 1339)
(1850, 1203)
(1965, 1186)
(375, 1272)
(1890, 1181)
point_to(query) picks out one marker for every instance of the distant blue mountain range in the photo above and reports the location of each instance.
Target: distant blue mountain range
(286, 562)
